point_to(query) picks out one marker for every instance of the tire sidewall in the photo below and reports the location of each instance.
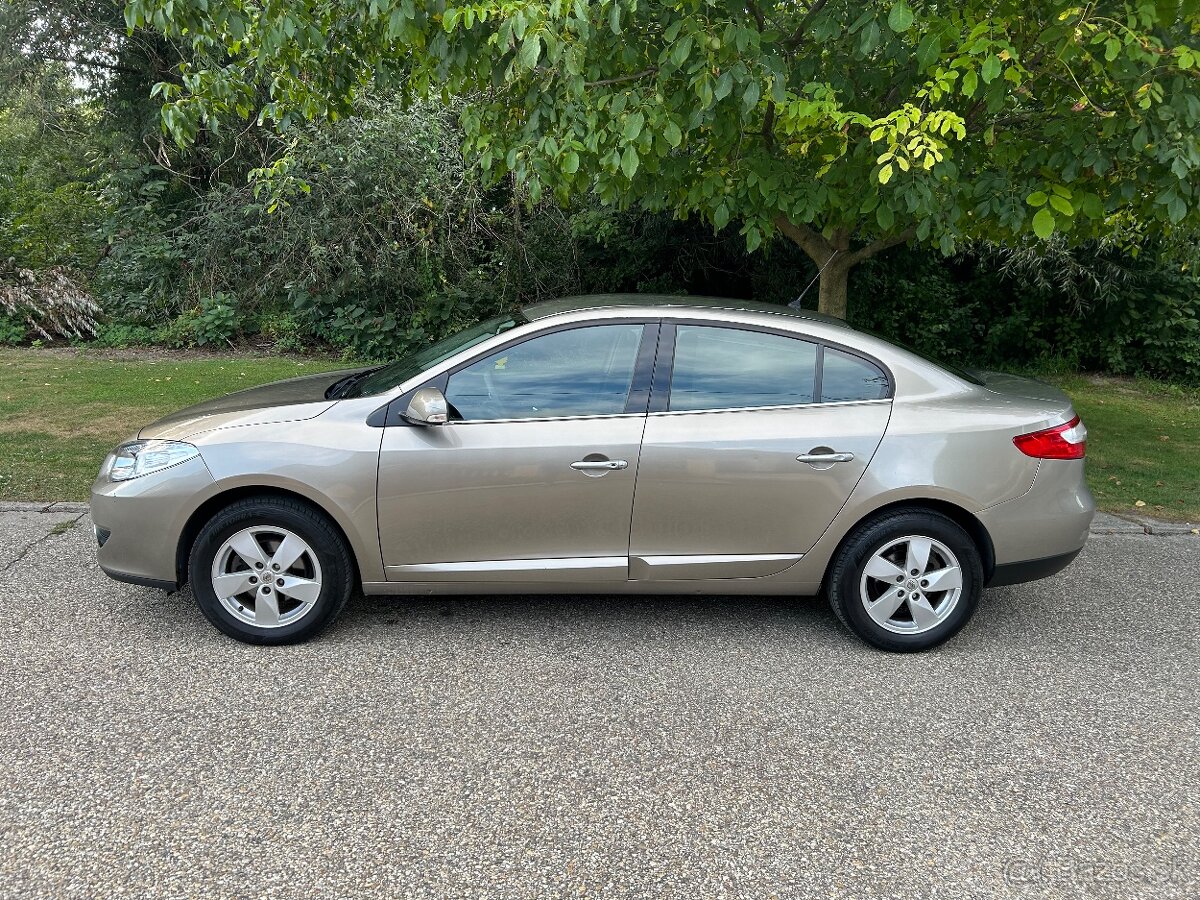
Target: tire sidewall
(845, 589)
(324, 543)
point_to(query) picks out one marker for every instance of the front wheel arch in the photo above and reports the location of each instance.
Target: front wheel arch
(214, 504)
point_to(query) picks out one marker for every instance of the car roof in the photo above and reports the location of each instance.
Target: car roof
(642, 302)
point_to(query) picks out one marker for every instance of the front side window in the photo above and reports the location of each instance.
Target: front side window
(576, 372)
(728, 368)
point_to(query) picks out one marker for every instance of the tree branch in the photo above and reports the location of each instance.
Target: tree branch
(883, 243)
(797, 37)
(808, 239)
(620, 79)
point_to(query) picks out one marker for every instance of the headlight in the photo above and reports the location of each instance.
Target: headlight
(138, 458)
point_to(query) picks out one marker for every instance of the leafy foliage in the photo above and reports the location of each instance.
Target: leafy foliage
(828, 121)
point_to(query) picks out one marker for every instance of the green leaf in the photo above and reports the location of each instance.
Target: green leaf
(1043, 224)
(929, 50)
(531, 49)
(614, 18)
(991, 69)
(969, 83)
(629, 162)
(900, 18)
(724, 85)
(721, 216)
(673, 135)
(1037, 198)
(681, 50)
(885, 174)
(885, 217)
(750, 96)
(753, 239)
(1062, 205)
(633, 126)
(570, 163)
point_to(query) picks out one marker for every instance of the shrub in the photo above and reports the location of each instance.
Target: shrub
(121, 336)
(216, 322)
(12, 330)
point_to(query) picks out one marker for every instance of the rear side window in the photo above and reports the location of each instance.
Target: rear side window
(846, 377)
(728, 368)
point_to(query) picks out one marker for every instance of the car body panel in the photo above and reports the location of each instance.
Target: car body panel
(144, 518)
(294, 399)
(712, 501)
(472, 492)
(728, 483)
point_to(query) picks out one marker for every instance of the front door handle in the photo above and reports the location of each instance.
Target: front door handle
(607, 464)
(830, 457)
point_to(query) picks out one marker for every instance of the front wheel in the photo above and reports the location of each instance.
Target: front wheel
(270, 571)
(906, 581)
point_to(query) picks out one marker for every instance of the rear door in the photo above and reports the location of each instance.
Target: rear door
(754, 441)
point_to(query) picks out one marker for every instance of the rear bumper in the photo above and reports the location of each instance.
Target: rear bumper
(1040, 532)
(1031, 569)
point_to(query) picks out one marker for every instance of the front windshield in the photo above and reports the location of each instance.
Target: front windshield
(401, 370)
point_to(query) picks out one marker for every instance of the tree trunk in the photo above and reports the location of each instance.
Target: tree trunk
(835, 259)
(832, 297)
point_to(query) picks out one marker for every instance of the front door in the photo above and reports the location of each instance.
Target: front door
(751, 452)
(532, 479)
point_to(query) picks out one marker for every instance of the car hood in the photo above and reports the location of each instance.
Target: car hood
(280, 401)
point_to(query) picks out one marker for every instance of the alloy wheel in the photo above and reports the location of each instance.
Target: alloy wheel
(266, 576)
(911, 584)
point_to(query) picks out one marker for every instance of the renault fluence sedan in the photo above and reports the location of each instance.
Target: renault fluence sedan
(614, 444)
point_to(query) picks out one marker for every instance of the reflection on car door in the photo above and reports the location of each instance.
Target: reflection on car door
(532, 480)
(750, 450)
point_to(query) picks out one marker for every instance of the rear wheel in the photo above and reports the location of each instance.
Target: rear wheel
(270, 571)
(906, 581)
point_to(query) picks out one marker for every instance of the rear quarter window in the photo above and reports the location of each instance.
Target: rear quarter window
(845, 377)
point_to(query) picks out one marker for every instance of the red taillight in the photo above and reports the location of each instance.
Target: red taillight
(1066, 441)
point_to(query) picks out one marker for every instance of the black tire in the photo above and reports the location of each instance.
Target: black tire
(338, 572)
(846, 574)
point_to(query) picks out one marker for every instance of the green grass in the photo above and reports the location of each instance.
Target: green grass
(1143, 445)
(62, 411)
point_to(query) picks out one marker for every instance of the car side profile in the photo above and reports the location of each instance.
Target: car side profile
(611, 444)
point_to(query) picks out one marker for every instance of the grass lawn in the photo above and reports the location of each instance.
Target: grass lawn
(1143, 445)
(61, 411)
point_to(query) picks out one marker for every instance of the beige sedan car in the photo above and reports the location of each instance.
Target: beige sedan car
(614, 444)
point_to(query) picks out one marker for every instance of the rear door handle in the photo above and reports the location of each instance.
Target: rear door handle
(825, 457)
(587, 464)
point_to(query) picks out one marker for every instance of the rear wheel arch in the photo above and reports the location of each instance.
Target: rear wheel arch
(952, 511)
(214, 504)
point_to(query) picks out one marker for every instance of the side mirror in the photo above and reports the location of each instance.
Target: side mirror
(428, 407)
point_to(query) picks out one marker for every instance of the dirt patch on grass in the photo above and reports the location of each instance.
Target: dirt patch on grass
(89, 422)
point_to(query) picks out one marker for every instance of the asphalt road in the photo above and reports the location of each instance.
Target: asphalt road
(544, 747)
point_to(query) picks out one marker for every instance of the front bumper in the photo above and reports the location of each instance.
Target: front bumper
(144, 518)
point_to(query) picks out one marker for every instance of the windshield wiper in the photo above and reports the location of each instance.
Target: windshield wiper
(343, 386)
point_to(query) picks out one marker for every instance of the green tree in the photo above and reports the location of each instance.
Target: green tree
(849, 127)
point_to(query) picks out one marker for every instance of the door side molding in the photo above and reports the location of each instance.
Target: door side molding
(591, 568)
(693, 567)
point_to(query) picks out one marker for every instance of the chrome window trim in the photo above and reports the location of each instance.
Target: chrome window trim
(792, 406)
(624, 415)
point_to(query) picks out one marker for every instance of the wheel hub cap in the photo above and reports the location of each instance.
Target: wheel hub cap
(911, 585)
(266, 576)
